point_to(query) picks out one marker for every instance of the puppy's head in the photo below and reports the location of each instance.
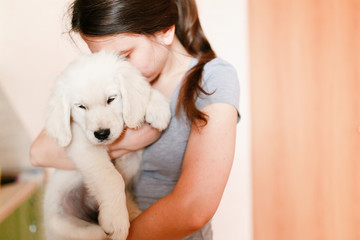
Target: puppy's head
(102, 93)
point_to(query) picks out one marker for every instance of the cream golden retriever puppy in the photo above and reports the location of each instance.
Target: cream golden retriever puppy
(94, 100)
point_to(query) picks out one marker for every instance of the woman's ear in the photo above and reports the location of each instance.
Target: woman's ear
(166, 36)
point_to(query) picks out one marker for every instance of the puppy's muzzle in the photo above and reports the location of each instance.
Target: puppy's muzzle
(102, 134)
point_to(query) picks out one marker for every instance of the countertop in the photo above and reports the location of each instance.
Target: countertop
(12, 195)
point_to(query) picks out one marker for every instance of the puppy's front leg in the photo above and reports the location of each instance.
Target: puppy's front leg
(158, 110)
(104, 182)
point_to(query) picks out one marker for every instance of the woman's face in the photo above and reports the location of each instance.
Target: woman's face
(147, 54)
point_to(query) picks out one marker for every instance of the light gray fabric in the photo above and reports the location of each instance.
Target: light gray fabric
(162, 160)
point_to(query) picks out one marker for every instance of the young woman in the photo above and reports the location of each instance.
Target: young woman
(185, 168)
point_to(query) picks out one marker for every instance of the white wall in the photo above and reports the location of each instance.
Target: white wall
(225, 25)
(34, 50)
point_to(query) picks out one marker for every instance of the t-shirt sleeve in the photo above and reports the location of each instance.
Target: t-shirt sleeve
(221, 82)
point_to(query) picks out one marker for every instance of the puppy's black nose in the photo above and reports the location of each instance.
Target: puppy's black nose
(102, 134)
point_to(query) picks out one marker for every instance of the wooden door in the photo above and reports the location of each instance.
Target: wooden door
(305, 104)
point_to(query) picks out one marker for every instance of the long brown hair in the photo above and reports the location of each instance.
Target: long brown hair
(108, 17)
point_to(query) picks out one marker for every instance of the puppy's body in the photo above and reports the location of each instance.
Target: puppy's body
(94, 99)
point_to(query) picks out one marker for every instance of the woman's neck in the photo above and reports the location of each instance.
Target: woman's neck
(176, 66)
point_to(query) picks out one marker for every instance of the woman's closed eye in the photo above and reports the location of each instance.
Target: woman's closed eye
(126, 54)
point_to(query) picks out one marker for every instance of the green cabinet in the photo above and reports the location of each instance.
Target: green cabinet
(25, 223)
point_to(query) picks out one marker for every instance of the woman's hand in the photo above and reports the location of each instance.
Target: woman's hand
(133, 139)
(45, 152)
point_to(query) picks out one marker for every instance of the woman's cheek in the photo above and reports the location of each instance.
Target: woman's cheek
(146, 70)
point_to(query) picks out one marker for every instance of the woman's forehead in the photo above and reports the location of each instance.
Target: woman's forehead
(118, 42)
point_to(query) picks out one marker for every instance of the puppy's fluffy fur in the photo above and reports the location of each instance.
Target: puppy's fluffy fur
(94, 99)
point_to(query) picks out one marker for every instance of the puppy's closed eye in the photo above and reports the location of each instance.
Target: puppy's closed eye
(110, 99)
(81, 106)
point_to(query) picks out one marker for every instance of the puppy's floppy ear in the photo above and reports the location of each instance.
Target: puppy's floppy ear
(57, 122)
(135, 91)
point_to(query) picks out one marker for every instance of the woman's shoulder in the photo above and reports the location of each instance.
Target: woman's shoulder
(219, 71)
(220, 80)
(218, 64)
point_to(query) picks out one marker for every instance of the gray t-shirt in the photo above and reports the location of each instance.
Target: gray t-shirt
(162, 160)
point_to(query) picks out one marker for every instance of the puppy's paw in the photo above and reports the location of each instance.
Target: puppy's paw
(115, 223)
(158, 118)
(158, 112)
(95, 232)
(158, 115)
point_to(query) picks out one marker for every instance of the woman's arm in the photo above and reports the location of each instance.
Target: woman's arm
(133, 139)
(207, 163)
(45, 152)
